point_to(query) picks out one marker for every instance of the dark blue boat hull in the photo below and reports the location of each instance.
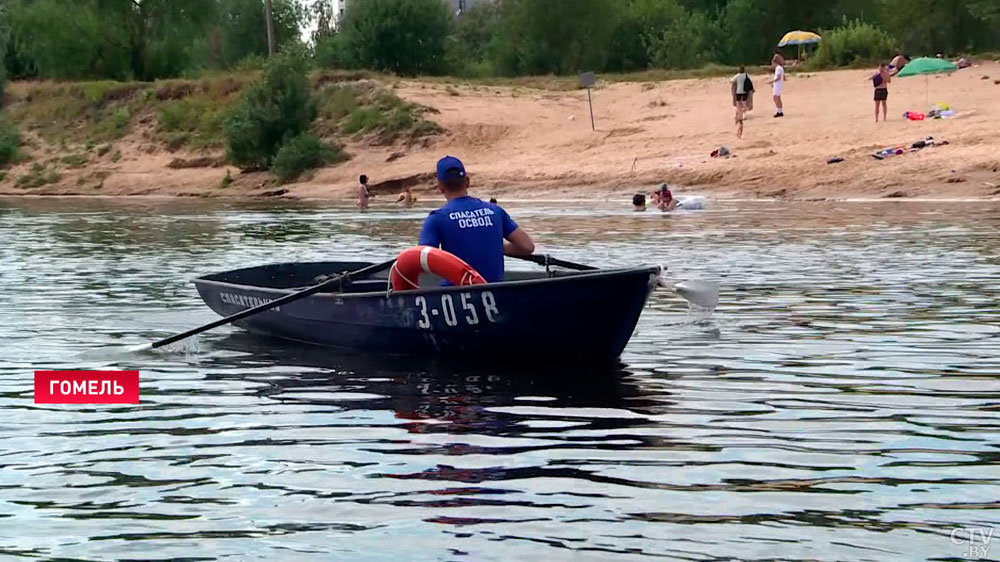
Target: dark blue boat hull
(585, 316)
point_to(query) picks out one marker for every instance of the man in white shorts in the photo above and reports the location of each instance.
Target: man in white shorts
(778, 84)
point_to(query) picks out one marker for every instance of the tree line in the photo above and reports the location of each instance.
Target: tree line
(153, 39)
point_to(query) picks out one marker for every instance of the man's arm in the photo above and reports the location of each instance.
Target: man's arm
(429, 234)
(518, 244)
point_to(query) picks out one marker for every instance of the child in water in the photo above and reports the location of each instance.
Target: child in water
(663, 199)
(406, 198)
(639, 202)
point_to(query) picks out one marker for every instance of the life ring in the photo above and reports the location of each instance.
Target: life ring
(410, 263)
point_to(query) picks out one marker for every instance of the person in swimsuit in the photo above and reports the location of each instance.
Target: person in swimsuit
(881, 80)
(363, 194)
(664, 199)
(406, 198)
(897, 63)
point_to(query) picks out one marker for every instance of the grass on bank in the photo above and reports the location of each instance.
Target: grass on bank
(369, 108)
(189, 114)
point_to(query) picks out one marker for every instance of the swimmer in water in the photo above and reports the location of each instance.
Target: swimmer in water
(639, 202)
(406, 198)
(664, 199)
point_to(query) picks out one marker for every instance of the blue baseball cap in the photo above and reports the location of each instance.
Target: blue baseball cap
(450, 168)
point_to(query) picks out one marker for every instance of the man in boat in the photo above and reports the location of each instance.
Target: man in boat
(478, 232)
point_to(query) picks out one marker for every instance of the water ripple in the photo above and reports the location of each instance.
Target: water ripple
(841, 404)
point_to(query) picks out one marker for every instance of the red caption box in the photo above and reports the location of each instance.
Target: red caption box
(86, 387)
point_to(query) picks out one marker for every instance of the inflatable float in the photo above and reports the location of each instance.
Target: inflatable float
(693, 203)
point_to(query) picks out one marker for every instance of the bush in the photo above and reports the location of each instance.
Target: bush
(277, 106)
(337, 102)
(851, 43)
(641, 22)
(10, 141)
(332, 52)
(408, 37)
(687, 43)
(301, 153)
(366, 108)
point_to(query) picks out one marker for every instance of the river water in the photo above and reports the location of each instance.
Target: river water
(840, 404)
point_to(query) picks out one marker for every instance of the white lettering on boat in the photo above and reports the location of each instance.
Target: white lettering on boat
(244, 301)
(447, 310)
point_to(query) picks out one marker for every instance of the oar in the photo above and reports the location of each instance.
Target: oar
(269, 305)
(698, 292)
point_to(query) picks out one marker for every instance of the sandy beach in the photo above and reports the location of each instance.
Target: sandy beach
(525, 143)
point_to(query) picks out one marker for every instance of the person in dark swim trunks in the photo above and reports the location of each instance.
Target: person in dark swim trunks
(880, 80)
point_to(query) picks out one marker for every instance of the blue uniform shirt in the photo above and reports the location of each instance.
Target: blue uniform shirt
(472, 230)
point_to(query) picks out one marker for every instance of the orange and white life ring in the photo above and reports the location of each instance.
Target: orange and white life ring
(405, 273)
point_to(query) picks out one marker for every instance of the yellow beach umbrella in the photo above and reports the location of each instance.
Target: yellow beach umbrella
(799, 38)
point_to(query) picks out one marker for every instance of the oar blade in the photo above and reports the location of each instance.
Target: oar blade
(704, 294)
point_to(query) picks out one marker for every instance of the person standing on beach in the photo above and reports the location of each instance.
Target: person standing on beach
(778, 84)
(741, 87)
(881, 80)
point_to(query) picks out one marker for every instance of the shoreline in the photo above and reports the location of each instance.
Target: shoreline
(344, 203)
(529, 144)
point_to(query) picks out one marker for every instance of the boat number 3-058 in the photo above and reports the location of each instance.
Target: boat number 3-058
(459, 307)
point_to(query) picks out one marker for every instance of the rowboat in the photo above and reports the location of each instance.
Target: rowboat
(568, 316)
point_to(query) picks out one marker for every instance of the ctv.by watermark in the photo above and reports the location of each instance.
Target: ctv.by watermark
(975, 539)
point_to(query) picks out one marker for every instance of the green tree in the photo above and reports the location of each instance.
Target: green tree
(553, 36)
(4, 40)
(853, 42)
(475, 29)
(949, 26)
(640, 23)
(139, 39)
(68, 43)
(241, 26)
(274, 108)
(407, 37)
(688, 42)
